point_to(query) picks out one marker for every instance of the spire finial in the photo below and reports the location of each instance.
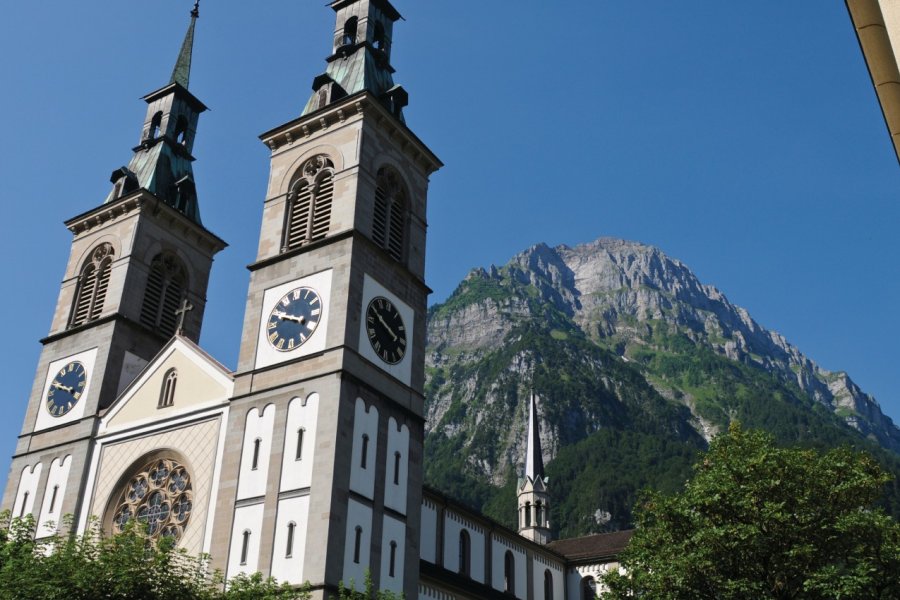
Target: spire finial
(181, 74)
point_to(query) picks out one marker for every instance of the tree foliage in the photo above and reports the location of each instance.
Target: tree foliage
(126, 566)
(757, 521)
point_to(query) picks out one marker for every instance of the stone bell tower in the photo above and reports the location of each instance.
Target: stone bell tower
(534, 498)
(134, 260)
(324, 458)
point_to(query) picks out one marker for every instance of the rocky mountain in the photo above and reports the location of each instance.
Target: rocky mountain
(636, 365)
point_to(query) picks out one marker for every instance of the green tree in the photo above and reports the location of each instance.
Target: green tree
(757, 521)
(125, 566)
(348, 593)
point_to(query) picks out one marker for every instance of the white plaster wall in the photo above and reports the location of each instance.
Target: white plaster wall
(59, 474)
(499, 548)
(392, 531)
(428, 533)
(453, 524)
(574, 578)
(252, 482)
(302, 414)
(365, 422)
(246, 518)
(28, 483)
(398, 441)
(358, 515)
(556, 570)
(290, 568)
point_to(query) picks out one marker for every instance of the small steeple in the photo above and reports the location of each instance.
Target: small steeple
(181, 74)
(534, 460)
(162, 161)
(361, 57)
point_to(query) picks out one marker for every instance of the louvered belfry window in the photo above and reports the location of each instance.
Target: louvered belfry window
(389, 214)
(93, 284)
(165, 290)
(309, 203)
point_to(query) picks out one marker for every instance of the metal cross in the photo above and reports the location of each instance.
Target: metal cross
(182, 312)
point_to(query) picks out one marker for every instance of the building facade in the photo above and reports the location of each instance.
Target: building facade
(306, 462)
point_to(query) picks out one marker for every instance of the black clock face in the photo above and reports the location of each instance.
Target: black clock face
(66, 389)
(294, 319)
(386, 330)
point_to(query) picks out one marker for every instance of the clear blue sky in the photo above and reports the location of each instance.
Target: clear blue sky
(743, 138)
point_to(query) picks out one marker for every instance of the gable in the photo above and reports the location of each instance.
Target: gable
(199, 383)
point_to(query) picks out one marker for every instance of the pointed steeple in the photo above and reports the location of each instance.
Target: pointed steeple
(534, 460)
(162, 161)
(181, 74)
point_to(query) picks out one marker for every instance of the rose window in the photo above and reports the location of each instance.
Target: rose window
(159, 497)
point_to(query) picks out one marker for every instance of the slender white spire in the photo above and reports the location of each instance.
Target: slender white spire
(534, 460)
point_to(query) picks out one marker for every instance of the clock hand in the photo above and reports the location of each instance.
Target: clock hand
(386, 326)
(62, 387)
(287, 317)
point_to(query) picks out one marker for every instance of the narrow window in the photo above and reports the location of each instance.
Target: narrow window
(93, 283)
(528, 514)
(365, 451)
(166, 285)
(539, 514)
(509, 573)
(378, 39)
(548, 585)
(155, 122)
(53, 498)
(289, 551)
(24, 503)
(349, 36)
(393, 560)
(167, 394)
(308, 216)
(255, 463)
(181, 127)
(396, 468)
(299, 455)
(464, 552)
(245, 547)
(357, 544)
(389, 213)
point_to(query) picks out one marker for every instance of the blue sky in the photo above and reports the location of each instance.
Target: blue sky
(742, 138)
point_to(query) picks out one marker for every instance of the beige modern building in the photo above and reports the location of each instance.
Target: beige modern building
(306, 462)
(877, 24)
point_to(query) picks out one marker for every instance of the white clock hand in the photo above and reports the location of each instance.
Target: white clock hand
(287, 317)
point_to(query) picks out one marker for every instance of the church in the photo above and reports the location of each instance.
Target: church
(305, 462)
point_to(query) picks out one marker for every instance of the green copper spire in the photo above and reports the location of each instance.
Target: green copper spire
(182, 72)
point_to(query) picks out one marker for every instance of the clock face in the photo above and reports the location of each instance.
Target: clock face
(386, 330)
(294, 319)
(66, 389)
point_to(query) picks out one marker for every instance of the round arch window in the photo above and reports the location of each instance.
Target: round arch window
(159, 495)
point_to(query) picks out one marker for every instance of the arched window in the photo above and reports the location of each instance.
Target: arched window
(159, 494)
(378, 40)
(300, 433)
(548, 585)
(289, 550)
(167, 394)
(255, 462)
(349, 36)
(357, 544)
(397, 468)
(165, 291)
(528, 514)
(389, 215)
(309, 203)
(364, 458)
(393, 559)
(181, 127)
(92, 286)
(24, 504)
(155, 122)
(538, 514)
(53, 498)
(588, 588)
(245, 546)
(509, 573)
(465, 553)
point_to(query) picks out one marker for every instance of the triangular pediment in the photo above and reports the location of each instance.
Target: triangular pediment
(200, 382)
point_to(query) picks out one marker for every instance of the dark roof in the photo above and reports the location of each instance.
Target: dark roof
(601, 545)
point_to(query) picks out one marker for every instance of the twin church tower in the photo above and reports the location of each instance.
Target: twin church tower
(306, 462)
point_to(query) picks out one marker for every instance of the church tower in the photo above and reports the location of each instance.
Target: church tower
(322, 474)
(135, 261)
(534, 499)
